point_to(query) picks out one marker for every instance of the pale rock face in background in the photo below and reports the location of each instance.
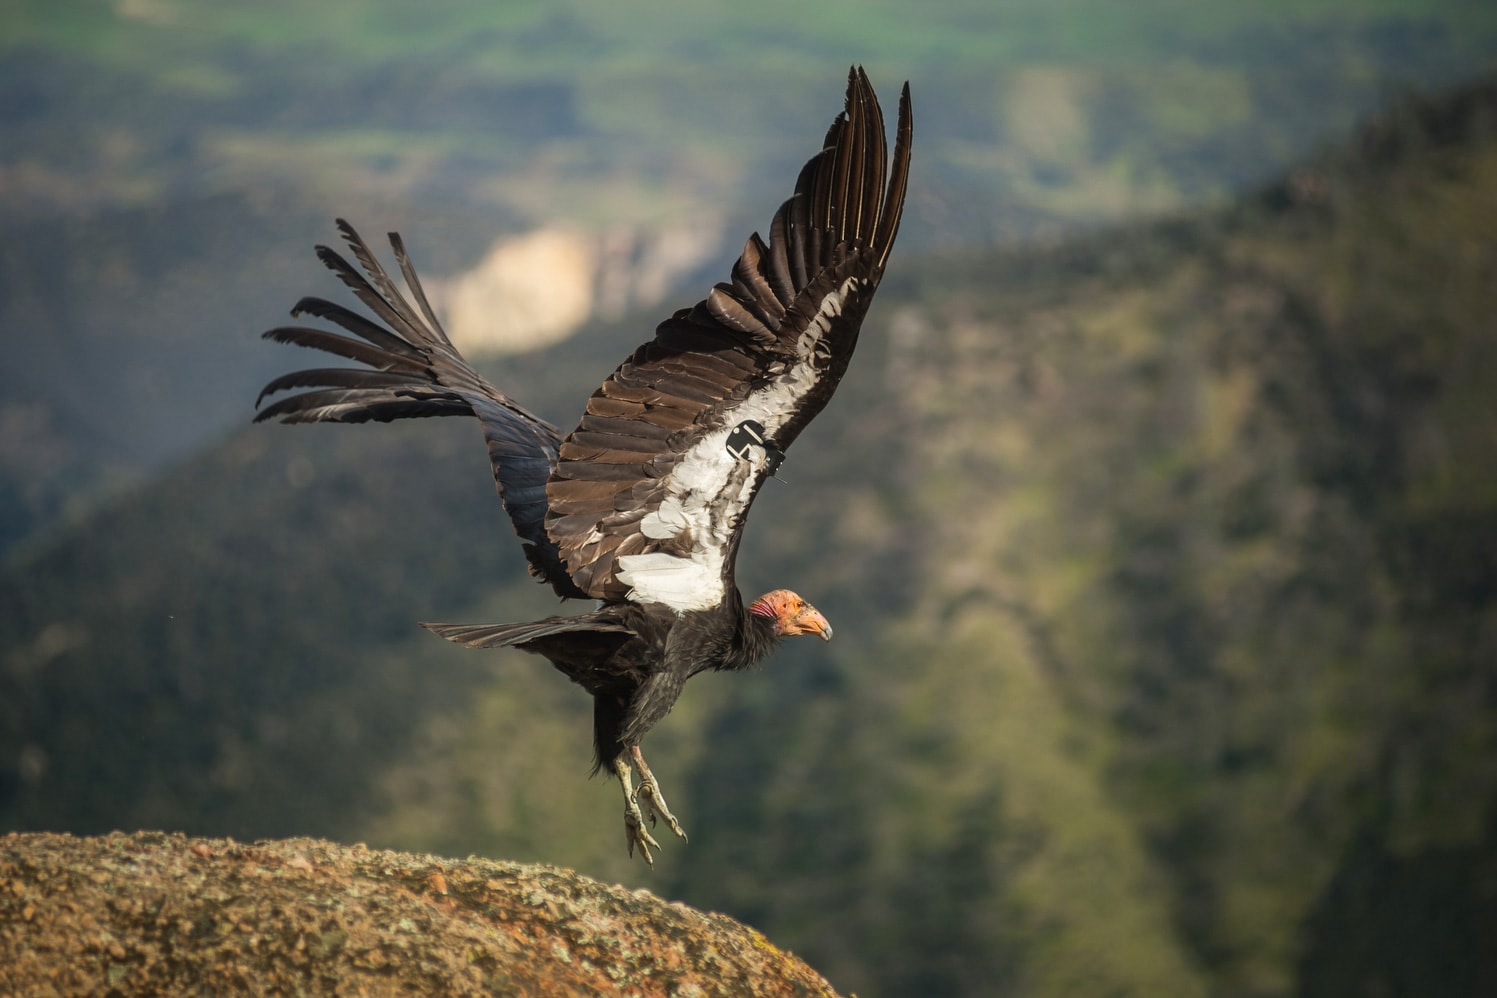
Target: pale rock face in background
(539, 287)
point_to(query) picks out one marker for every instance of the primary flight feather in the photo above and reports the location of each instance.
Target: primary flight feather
(642, 506)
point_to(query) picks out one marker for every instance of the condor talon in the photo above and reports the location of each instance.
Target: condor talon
(649, 789)
(635, 833)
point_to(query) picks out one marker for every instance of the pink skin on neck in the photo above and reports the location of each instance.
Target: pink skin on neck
(789, 612)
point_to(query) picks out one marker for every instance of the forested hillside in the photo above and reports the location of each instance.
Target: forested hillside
(1163, 565)
(164, 164)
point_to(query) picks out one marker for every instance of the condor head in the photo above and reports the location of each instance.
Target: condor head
(791, 615)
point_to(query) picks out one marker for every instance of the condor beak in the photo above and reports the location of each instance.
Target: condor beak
(810, 621)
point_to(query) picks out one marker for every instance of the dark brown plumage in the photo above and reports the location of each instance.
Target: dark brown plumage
(642, 505)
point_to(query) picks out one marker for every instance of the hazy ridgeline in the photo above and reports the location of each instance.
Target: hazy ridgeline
(1160, 553)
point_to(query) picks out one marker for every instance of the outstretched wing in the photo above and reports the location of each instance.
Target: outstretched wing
(414, 370)
(650, 493)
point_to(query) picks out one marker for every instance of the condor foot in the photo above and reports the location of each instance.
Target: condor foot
(636, 835)
(654, 801)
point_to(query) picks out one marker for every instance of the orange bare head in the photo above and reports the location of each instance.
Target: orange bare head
(791, 614)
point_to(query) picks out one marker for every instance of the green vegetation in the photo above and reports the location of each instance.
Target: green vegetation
(150, 98)
(1162, 565)
(164, 164)
(1161, 559)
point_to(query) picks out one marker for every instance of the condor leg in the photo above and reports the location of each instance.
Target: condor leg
(635, 833)
(649, 792)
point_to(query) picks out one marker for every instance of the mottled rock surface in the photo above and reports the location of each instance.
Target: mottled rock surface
(157, 913)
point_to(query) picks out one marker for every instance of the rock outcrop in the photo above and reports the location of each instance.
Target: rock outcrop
(157, 913)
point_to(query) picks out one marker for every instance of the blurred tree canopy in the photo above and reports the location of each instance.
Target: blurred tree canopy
(1163, 561)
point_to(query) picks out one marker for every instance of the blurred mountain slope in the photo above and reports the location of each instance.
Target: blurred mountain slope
(1161, 564)
(164, 165)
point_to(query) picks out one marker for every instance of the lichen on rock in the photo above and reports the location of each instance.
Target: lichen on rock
(155, 913)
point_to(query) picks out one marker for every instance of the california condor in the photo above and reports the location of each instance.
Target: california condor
(642, 506)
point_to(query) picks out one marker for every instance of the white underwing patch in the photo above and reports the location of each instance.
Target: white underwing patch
(667, 521)
(709, 488)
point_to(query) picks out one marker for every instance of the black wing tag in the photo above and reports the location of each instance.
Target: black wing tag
(749, 434)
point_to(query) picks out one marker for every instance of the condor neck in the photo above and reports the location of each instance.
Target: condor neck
(757, 637)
